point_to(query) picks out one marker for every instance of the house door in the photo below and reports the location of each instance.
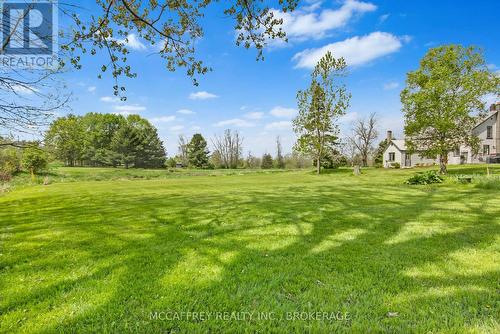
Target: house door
(407, 160)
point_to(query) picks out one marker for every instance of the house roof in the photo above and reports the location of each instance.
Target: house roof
(400, 144)
(486, 118)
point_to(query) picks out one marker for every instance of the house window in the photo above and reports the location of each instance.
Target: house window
(456, 153)
(392, 156)
(489, 132)
(486, 149)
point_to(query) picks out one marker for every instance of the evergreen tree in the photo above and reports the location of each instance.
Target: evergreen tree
(124, 144)
(197, 151)
(379, 153)
(267, 161)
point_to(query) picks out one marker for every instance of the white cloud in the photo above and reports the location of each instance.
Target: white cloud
(254, 115)
(356, 50)
(177, 128)
(282, 112)
(237, 122)
(196, 128)
(163, 119)
(383, 18)
(109, 99)
(305, 23)
(130, 108)
(349, 117)
(132, 42)
(92, 89)
(391, 85)
(185, 112)
(202, 96)
(281, 125)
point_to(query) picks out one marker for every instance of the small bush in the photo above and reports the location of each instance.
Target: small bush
(34, 160)
(10, 163)
(428, 177)
(396, 165)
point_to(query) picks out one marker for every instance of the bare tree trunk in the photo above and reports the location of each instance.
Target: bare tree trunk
(318, 166)
(357, 170)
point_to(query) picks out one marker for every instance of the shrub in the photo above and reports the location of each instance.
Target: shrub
(428, 177)
(171, 162)
(34, 160)
(10, 163)
(396, 165)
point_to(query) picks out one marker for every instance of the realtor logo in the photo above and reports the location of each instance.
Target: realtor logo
(28, 34)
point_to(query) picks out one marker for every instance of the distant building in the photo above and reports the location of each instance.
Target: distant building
(488, 131)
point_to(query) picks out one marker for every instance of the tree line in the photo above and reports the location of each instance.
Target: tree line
(105, 140)
(228, 154)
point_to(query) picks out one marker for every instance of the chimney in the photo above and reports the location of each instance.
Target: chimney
(389, 136)
(493, 107)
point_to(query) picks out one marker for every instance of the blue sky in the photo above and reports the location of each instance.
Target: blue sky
(381, 40)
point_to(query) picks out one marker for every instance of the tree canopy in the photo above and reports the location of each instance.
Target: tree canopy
(443, 100)
(171, 27)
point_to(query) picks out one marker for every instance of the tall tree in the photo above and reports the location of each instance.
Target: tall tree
(149, 150)
(443, 100)
(364, 135)
(198, 151)
(182, 150)
(320, 106)
(65, 139)
(124, 143)
(99, 131)
(229, 148)
(280, 162)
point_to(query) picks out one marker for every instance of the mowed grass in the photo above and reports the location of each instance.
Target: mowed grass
(103, 256)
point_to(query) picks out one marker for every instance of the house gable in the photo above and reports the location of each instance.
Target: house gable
(488, 132)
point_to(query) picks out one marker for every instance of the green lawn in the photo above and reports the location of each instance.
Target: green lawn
(103, 256)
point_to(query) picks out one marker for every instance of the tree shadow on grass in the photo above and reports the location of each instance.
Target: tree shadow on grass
(363, 250)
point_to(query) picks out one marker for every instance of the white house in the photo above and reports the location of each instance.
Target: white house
(488, 131)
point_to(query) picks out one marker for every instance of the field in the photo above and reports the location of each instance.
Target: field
(103, 250)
